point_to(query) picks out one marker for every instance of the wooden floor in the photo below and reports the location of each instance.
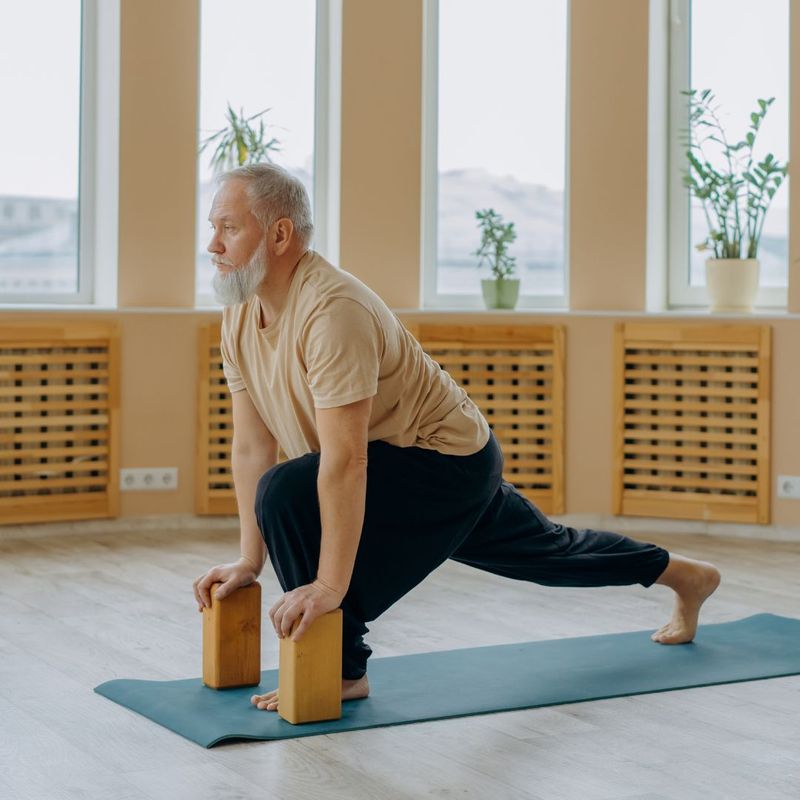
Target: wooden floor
(76, 611)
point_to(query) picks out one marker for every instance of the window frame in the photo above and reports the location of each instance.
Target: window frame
(87, 110)
(429, 206)
(327, 134)
(681, 294)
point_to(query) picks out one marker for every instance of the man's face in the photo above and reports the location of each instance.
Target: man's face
(238, 245)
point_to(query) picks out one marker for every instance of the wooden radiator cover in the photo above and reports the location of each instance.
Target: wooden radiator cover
(515, 375)
(692, 421)
(214, 491)
(59, 422)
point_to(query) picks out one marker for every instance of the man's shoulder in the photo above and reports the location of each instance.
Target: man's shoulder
(327, 285)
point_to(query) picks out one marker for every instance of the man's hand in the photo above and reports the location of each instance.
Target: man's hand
(232, 576)
(311, 601)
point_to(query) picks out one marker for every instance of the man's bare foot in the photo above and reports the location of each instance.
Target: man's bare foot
(694, 582)
(351, 690)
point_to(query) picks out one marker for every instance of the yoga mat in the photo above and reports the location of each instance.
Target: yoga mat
(481, 680)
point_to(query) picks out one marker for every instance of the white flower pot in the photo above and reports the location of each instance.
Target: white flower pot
(732, 283)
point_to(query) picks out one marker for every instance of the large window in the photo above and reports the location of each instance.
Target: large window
(256, 55)
(495, 137)
(740, 50)
(42, 197)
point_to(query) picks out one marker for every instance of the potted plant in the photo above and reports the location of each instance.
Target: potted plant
(500, 291)
(735, 200)
(239, 142)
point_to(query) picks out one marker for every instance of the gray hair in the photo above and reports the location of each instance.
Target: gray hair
(275, 193)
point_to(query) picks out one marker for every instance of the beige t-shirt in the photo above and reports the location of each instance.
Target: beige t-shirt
(335, 342)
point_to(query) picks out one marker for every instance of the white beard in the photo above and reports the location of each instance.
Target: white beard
(239, 285)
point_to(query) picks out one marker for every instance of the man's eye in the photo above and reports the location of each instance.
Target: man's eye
(229, 227)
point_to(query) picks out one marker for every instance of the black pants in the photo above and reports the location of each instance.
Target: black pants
(423, 507)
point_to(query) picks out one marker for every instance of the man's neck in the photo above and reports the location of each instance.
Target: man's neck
(274, 289)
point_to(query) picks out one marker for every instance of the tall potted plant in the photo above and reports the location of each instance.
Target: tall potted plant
(240, 142)
(735, 200)
(496, 236)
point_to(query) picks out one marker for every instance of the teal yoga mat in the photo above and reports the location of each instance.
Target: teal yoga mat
(482, 680)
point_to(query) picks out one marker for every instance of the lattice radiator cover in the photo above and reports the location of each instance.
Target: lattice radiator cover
(59, 422)
(214, 490)
(692, 421)
(515, 375)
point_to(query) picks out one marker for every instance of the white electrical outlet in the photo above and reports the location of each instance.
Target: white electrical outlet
(789, 486)
(148, 479)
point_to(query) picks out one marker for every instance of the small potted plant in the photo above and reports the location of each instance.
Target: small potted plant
(239, 142)
(499, 291)
(735, 200)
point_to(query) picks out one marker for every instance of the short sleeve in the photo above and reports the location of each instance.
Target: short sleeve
(230, 366)
(342, 345)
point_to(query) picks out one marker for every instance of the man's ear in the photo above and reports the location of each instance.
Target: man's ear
(282, 235)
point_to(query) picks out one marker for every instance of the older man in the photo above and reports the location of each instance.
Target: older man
(391, 469)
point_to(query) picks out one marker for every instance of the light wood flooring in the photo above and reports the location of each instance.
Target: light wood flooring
(79, 610)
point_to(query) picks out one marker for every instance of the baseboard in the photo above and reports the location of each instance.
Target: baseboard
(99, 527)
(633, 526)
(638, 526)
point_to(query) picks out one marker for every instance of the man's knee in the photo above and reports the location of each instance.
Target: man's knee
(284, 487)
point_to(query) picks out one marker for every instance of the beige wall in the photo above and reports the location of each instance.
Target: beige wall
(380, 226)
(157, 152)
(381, 146)
(608, 154)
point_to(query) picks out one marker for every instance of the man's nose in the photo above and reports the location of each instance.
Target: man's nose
(215, 246)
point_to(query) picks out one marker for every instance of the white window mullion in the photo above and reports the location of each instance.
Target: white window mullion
(328, 128)
(88, 146)
(430, 154)
(681, 293)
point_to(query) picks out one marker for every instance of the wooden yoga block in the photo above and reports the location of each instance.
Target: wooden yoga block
(310, 672)
(232, 638)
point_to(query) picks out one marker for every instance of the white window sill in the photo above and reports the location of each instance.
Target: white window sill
(694, 313)
(85, 309)
(699, 313)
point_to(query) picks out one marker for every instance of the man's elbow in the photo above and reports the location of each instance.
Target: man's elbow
(342, 463)
(249, 453)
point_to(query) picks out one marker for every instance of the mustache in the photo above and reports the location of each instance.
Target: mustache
(222, 262)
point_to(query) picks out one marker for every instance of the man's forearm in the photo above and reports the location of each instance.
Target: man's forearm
(247, 469)
(342, 499)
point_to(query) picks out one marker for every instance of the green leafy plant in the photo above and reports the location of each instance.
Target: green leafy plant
(495, 239)
(239, 142)
(736, 197)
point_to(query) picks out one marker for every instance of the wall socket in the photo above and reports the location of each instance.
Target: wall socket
(148, 479)
(789, 486)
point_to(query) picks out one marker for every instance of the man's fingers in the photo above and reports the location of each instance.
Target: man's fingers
(205, 587)
(305, 622)
(292, 613)
(276, 617)
(275, 607)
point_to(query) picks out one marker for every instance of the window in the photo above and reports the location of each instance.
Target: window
(494, 137)
(271, 66)
(740, 50)
(44, 196)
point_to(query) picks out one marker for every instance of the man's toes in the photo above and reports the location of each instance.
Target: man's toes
(662, 633)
